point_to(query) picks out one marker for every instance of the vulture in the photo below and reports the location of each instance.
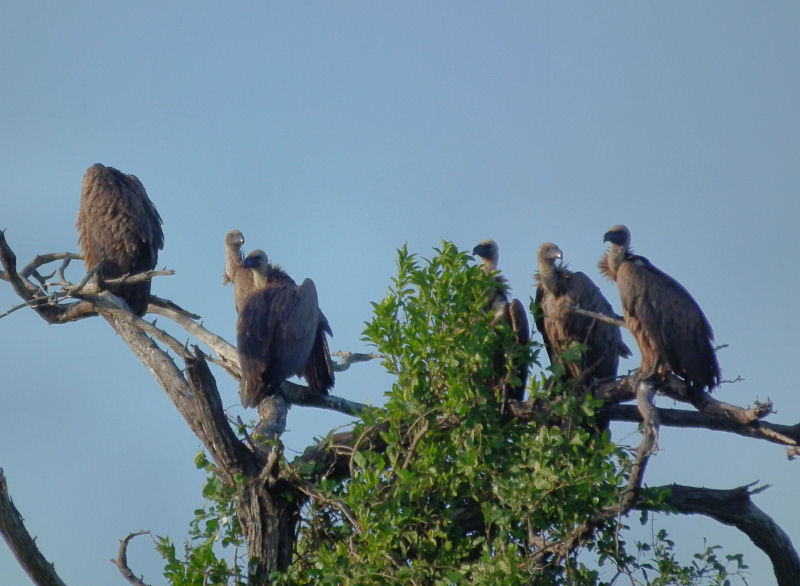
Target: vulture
(281, 332)
(243, 279)
(558, 291)
(512, 312)
(670, 329)
(119, 229)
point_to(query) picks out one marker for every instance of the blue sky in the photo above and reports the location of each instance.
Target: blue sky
(332, 133)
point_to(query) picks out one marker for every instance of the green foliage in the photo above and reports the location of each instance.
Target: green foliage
(461, 493)
(214, 525)
(663, 568)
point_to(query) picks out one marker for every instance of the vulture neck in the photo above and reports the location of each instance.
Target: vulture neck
(488, 266)
(260, 278)
(549, 276)
(270, 274)
(611, 261)
(233, 261)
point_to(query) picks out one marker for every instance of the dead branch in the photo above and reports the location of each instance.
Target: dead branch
(302, 395)
(228, 451)
(350, 358)
(788, 435)
(22, 544)
(43, 259)
(734, 507)
(614, 321)
(122, 559)
(228, 356)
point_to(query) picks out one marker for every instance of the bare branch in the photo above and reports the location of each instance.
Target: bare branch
(22, 544)
(302, 395)
(122, 559)
(734, 507)
(43, 259)
(229, 357)
(788, 435)
(350, 358)
(230, 453)
(614, 321)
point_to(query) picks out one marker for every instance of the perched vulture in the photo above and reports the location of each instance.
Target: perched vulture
(280, 333)
(243, 279)
(120, 229)
(513, 313)
(672, 333)
(558, 291)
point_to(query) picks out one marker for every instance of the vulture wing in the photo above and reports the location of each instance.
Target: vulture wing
(604, 341)
(318, 371)
(119, 227)
(667, 323)
(275, 332)
(542, 298)
(518, 319)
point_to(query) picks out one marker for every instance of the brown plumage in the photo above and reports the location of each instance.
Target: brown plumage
(280, 333)
(672, 333)
(558, 291)
(243, 279)
(119, 227)
(512, 312)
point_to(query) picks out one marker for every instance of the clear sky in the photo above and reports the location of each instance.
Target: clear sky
(332, 133)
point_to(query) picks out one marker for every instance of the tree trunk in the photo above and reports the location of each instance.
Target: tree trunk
(269, 517)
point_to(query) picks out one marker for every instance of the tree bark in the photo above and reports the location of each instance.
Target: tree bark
(22, 544)
(269, 517)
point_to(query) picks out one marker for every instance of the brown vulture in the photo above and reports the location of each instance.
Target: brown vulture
(243, 279)
(280, 333)
(512, 312)
(558, 291)
(672, 333)
(119, 229)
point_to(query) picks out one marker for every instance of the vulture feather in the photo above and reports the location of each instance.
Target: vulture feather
(670, 329)
(243, 279)
(512, 312)
(119, 229)
(558, 291)
(280, 333)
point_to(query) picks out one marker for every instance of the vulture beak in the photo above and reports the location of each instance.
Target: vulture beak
(250, 263)
(479, 250)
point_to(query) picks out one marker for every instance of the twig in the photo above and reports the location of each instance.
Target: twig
(614, 321)
(122, 559)
(350, 358)
(337, 504)
(43, 259)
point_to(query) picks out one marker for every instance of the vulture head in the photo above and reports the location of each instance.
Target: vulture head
(618, 235)
(489, 253)
(548, 254)
(234, 240)
(620, 238)
(258, 261)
